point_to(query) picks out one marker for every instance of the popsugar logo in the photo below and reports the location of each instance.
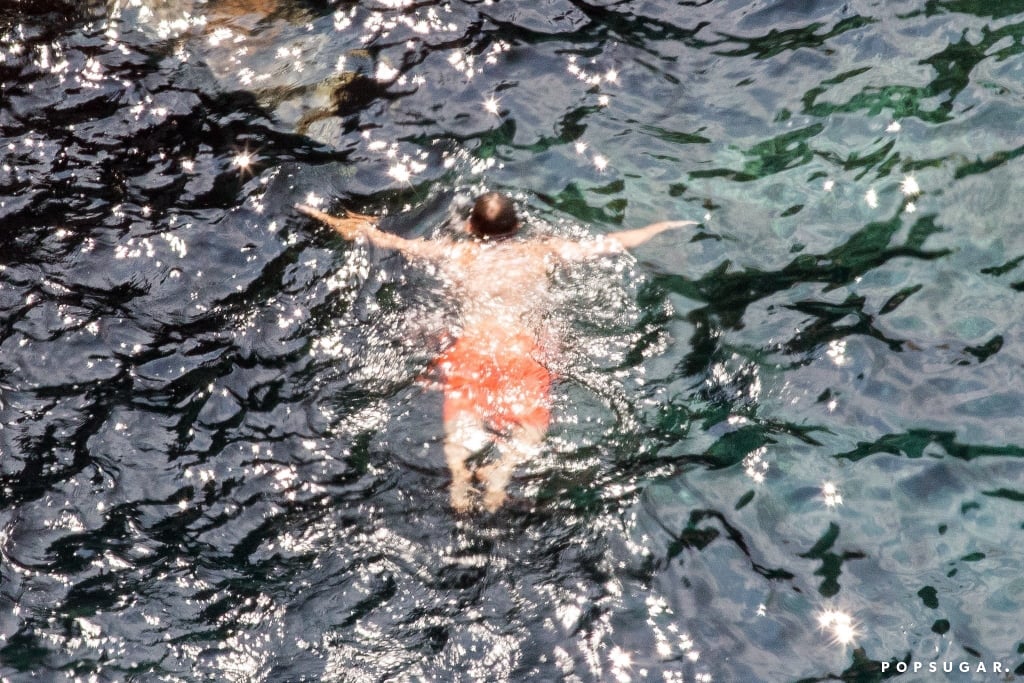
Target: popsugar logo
(946, 667)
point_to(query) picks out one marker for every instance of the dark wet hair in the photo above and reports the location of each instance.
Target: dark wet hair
(494, 215)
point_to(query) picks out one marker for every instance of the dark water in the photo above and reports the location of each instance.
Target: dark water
(786, 445)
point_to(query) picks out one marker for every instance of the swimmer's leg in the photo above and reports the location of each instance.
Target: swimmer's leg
(521, 445)
(464, 435)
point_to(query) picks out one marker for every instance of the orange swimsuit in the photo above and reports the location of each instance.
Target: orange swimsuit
(491, 375)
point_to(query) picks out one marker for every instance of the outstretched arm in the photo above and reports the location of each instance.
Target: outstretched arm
(353, 225)
(610, 244)
(633, 238)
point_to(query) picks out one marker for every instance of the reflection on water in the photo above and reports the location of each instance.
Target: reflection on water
(785, 444)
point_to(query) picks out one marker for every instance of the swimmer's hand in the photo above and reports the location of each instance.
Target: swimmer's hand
(349, 227)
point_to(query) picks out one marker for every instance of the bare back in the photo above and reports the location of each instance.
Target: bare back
(502, 286)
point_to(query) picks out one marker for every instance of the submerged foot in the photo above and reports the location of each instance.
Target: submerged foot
(494, 498)
(461, 496)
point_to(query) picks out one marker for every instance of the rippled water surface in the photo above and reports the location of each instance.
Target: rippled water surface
(786, 443)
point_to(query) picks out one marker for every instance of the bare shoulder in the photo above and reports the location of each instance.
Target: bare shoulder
(461, 252)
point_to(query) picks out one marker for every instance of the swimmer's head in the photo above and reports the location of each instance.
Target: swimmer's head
(494, 215)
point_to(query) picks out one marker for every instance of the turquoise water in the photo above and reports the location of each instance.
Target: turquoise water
(786, 443)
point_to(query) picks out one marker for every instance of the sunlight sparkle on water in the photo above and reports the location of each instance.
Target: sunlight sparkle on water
(871, 198)
(244, 161)
(620, 660)
(831, 494)
(755, 465)
(385, 72)
(400, 172)
(837, 352)
(343, 20)
(221, 34)
(491, 105)
(839, 624)
(909, 186)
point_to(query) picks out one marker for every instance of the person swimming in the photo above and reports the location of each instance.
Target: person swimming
(495, 385)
